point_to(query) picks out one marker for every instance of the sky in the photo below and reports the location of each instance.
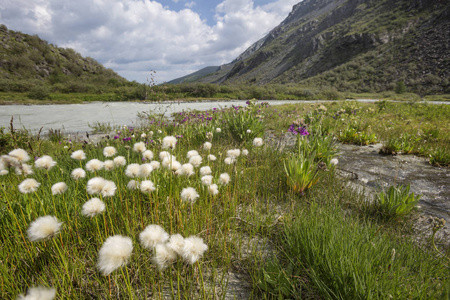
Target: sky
(134, 37)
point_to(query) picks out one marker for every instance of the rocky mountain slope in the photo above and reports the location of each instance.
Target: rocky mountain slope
(357, 45)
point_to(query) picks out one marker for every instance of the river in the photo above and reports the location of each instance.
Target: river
(74, 118)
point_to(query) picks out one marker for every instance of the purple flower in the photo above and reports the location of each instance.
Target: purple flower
(116, 137)
(127, 139)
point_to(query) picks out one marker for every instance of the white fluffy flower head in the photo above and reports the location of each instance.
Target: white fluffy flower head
(109, 165)
(147, 155)
(147, 186)
(93, 207)
(139, 147)
(59, 188)
(169, 142)
(29, 186)
(234, 153)
(189, 195)
(224, 178)
(207, 146)
(206, 170)
(191, 153)
(196, 160)
(213, 189)
(176, 243)
(120, 161)
(153, 235)
(164, 256)
(109, 151)
(78, 155)
(207, 180)
(145, 170)
(20, 155)
(94, 165)
(78, 173)
(133, 170)
(45, 162)
(95, 185)
(109, 188)
(114, 253)
(43, 227)
(39, 293)
(155, 164)
(193, 249)
(258, 142)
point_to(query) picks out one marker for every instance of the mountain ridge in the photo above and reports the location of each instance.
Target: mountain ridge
(351, 44)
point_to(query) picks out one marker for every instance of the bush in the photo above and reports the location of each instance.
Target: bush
(39, 93)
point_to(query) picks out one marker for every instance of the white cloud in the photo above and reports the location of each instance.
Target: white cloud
(133, 37)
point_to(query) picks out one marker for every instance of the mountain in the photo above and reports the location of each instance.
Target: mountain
(26, 61)
(195, 76)
(351, 45)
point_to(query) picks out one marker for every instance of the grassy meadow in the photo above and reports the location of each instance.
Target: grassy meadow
(176, 209)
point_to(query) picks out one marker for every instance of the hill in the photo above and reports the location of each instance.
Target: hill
(28, 62)
(351, 45)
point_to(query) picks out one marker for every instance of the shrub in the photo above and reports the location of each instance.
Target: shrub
(39, 93)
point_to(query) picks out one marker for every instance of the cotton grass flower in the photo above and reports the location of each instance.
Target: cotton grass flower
(153, 235)
(155, 164)
(59, 188)
(3, 172)
(229, 160)
(78, 155)
(38, 293)
(133, 170)
(163, 155)
(24, 169)
(94, 165)
(145, 170)
(20, 155)
(93, 207)
(139, 147)
(206, 170)
(189, 195)
(169, 142)
(109, 165)
(78, 173)
(234, 153)
(176, 243)
(191, 153)
(245, 152)
(196, 160)
(224, 178)
(207, 180)
(248, 131)
(147, 155)
(29, 185)
(7, 161)
(193, 249)
(258, 142)
(334, 161)
(114, 253)
(133, 185)
(109, 188)
(45, 162)
(213, 189)
(95, 185)
(120, 161)
(109, 151)
(43, 227)
(218, 130)
(207, 146)
(186, 169)
(164, 256)
(147, 186)
(212, 157)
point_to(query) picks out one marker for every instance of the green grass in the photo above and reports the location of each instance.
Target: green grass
(325, 243)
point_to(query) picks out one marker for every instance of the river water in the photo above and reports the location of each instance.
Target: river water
(73, 118)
